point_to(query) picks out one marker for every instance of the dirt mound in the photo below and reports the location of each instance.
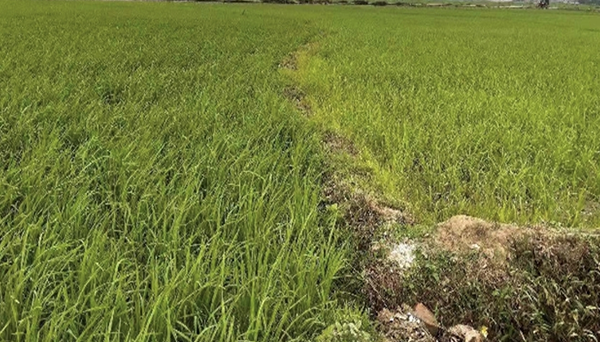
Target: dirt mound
(547, 282)
(336, 143)
(463, 233)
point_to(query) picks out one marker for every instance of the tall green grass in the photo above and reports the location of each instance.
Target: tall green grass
(154, 183)
(488, 113)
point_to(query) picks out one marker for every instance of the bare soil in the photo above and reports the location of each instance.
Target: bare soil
(463, 233)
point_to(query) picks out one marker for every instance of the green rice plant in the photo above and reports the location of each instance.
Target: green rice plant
(154, 183)
(487, 113)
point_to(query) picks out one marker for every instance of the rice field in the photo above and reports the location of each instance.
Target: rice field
(156, 184)
(491, 114)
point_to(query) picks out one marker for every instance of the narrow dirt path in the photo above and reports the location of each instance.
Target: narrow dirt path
(368, 219)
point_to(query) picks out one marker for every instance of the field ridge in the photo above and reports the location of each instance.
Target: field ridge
(379, 221)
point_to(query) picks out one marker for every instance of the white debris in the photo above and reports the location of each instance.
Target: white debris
(403, 254)
(413, 319)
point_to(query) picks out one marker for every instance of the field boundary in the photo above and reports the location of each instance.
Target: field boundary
(455, 261)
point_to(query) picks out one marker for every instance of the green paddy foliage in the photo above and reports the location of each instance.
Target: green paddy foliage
(488, 113)
(156, 184)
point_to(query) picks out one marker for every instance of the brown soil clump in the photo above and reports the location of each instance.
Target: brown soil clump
(289, 62)
(463, 233)
(336, 143)
(298, 98)
(427, 317)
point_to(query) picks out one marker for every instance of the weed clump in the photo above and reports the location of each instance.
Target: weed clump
(548, 289)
